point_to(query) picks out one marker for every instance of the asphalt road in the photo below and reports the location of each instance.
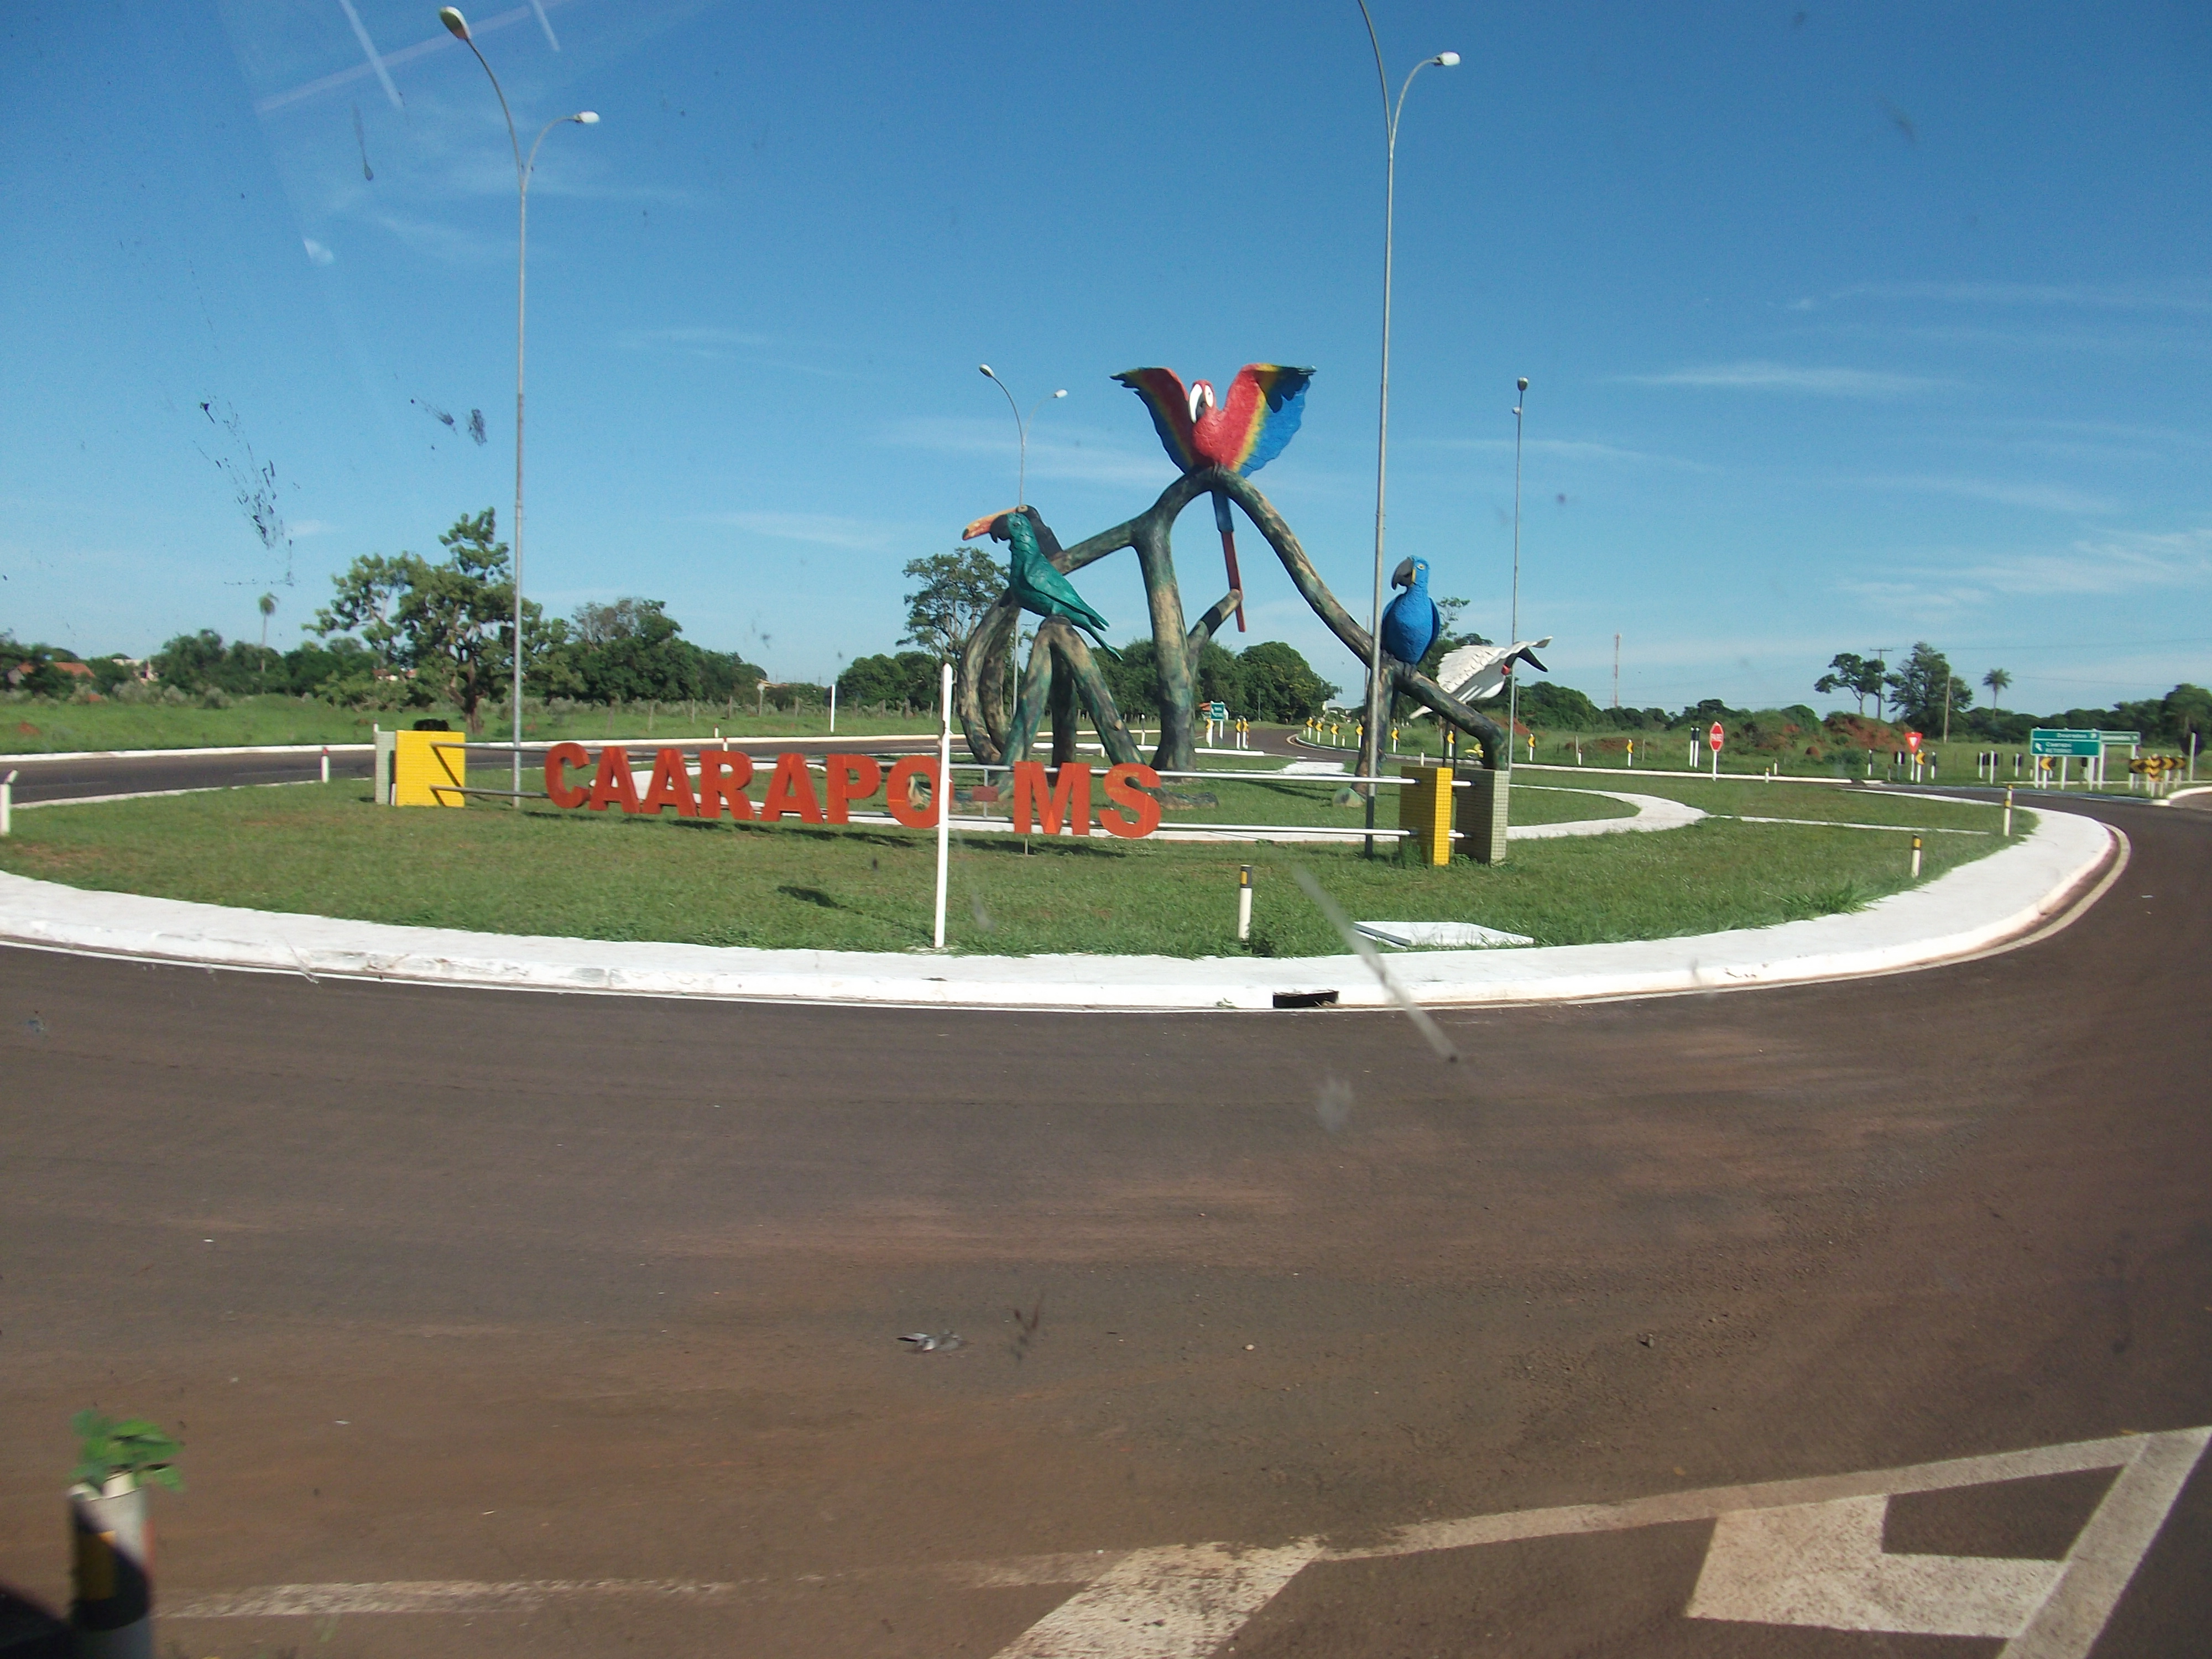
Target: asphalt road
(95, 775)
(479, 1291)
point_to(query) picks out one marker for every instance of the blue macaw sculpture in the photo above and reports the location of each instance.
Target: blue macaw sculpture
(1411, 622)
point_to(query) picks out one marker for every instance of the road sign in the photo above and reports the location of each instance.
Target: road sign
(2062, 740)
(1217, 711)
(1714, 736)
(1912, 741)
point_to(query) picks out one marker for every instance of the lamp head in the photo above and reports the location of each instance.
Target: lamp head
(452, 18)
(1062, 392)
(589, 117)
(1446, 60)
(1522, 384)
(985, 370)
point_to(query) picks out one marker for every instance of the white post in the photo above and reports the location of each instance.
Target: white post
(2008, 829)
(1916, 858)
(7, 805)
(941, 792)
(326, 763)
(833, 709)
(1717, 762)
(1243, 901)
(2192, 756)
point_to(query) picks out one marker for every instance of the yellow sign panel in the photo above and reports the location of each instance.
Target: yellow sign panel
(429, 768)
(1425, 806)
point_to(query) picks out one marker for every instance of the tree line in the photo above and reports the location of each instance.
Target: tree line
(952, 594)
(406, 630)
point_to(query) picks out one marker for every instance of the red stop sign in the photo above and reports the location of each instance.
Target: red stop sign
(1713, 737)
(1912, 741)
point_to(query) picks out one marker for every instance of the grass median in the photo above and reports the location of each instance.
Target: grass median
(327, 850)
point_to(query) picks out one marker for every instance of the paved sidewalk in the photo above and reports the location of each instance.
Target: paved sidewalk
(2003, 897)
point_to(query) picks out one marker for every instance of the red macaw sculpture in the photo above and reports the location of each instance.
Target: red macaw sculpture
(1266, 403)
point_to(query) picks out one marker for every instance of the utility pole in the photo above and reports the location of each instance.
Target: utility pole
(1882, 653)
(1616, 670)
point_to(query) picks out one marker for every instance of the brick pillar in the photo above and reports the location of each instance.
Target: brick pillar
(1481, 813)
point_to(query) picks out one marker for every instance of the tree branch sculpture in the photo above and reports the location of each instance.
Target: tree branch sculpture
(995, 740)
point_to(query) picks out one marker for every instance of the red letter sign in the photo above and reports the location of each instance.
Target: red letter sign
(558, 759)
(723, 775)
(671, 786)
(1068, 801)
(898, 792)
(791, 791)
(614, 782)
(1122, 783)
(849, 778)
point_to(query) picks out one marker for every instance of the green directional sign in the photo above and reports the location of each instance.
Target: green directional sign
(2059, 740)
(2065, 740)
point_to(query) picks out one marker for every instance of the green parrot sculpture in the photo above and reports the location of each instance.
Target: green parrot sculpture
(1030, 578)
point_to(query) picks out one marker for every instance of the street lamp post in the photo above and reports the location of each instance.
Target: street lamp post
(458, 26)
(1021, 428)
(1371, 747)
(1513, 632)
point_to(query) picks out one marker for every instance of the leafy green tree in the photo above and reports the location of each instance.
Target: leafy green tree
(191, 662)
(1917, 690)
(910, 679)
(1860, 675)
(1280, 685)
(1133, 679)
(32, 668)
(1545, 703)
(450, 621)
(368, 593)
(952, 591)
(2187, 708)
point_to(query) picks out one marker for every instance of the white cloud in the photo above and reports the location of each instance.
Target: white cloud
(815, 529)
(2045, 498)
(1080, 455)
(2126, 563)
(317, 252)
(2124, 296)
(1566, 449)
(1762, 376)
(635, 339)
(311, 527)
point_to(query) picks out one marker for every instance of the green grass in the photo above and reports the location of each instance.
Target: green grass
(325, 849)
(32, 725)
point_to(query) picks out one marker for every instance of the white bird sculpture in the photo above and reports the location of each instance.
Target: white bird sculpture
(1474, 673)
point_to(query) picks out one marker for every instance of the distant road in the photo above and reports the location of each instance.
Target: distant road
(95, 775)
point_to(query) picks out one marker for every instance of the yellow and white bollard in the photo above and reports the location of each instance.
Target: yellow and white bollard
(111, 1601)
(1243, 902)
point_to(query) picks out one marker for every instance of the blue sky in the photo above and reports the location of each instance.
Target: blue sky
(1846, 326)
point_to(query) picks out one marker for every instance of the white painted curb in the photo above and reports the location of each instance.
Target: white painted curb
(1998, 898)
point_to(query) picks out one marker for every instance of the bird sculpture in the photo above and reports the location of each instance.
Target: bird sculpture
(1030, 578)
(1411, 622)
(1266, 403)
(1476, 673)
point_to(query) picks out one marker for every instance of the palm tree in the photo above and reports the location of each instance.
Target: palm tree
(1996, 679)
(268, 604)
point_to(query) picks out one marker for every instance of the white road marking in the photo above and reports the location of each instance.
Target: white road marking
(1823, 1563)
(1183, 1601)
(476, 1595)
(1164, 1603)
(2110, 1548)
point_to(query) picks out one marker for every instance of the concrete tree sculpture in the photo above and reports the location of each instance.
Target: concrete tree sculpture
(1217, 449)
